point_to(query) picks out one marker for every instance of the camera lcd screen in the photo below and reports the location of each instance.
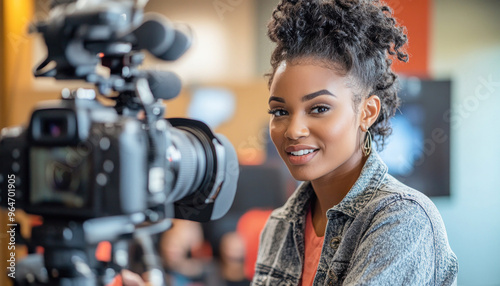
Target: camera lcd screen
(59, 177)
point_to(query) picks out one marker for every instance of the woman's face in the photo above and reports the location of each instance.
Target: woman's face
(313, 123)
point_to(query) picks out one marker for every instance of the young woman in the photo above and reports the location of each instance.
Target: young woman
(331, 91)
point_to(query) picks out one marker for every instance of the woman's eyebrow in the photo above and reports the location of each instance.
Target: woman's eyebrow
(275, 98)
(316, 94)
(305, 97)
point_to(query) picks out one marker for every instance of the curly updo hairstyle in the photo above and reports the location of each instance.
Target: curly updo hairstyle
(357, 37)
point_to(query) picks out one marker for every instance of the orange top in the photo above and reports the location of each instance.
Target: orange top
(312, 252)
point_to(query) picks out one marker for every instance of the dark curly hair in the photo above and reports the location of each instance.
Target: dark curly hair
(356, 37)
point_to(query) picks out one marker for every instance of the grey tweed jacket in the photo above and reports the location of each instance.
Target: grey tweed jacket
(381, 233)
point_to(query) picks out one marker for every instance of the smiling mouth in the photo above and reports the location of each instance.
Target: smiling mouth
(302, 152)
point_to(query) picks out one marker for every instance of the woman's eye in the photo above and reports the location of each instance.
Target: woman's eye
(320, 109)
(277, 112)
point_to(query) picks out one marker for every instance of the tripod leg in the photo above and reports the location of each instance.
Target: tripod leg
(151, 260)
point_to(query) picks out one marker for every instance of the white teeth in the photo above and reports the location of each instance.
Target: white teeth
(302, 152)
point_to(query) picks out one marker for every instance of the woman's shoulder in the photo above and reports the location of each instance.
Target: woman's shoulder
(395, 199)
(396, 208)
(392, 191)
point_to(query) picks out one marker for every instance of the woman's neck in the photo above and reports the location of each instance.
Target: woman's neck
(332, 188)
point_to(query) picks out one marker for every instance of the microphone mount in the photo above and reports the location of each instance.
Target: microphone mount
(112, 35)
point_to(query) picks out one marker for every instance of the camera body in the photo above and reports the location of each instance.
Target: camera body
(78, 159)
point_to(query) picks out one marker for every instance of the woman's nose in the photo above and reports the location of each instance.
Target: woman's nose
(296, 129)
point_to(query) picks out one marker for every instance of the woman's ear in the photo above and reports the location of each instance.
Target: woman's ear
(370, 109)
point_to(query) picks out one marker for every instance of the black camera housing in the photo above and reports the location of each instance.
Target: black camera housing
(68, 163)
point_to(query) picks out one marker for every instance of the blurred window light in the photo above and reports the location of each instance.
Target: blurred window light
(213, 106)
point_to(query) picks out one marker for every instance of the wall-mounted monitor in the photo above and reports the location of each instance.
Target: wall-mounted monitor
(418, 151)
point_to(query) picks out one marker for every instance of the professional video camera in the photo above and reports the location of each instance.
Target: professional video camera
(109, 173)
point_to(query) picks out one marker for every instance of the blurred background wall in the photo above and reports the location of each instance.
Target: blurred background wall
(457, 40)
(465, 47)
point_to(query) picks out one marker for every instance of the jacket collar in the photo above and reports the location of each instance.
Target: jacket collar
(359, 195)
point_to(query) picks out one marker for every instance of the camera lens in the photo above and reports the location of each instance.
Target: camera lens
(206, 171)
(191, 166)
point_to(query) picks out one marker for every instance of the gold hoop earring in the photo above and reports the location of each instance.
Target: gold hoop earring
(367, 145)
